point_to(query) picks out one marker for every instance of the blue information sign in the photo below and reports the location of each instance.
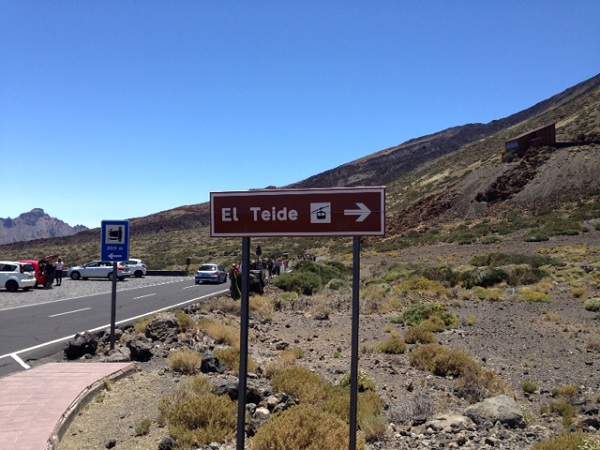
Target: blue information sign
(114, 242)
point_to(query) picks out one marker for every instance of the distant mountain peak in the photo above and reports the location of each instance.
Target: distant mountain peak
(35, 224)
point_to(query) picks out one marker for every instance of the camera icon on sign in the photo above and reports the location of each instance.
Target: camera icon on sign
(320, 212)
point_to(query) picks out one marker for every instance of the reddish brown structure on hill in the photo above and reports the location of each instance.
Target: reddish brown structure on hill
(545, 135)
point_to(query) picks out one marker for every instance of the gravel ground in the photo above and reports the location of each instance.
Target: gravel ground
(80, 288)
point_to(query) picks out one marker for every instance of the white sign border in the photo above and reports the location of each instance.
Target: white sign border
(301, 191)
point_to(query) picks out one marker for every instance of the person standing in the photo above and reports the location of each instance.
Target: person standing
(58, 274)
(49, 273)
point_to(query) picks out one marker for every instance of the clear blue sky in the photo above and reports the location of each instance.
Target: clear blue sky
(120, 108)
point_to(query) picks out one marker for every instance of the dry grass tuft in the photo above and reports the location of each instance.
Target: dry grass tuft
(394, 345)
(220, 332)
(419, 335)
(475, 382)
(196, 417)
(184, 320)
(230, 357)
(570, 441)
(141, 325)
(534, 296)
(262, 307)
(310, 387)
(185, 361)
(303, 428)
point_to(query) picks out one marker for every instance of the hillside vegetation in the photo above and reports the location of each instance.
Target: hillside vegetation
(435, 184)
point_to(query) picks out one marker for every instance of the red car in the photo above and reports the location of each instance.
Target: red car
(40, 278)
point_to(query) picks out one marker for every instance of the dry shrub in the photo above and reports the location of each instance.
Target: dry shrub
(310, 387)
(552, 317)
(570, 441)
(224, 304)
(262, 307)
(488, 294)
(422, 287)
(434, 324)
(185, 361)
(290, 355)
(534, 296)
(230, 357)
(220, 332)
(196, 417)
(419, 335)
(142, 428)
(475, 382)
(592, 304)
(578, 291)
(394, 345)
(141, 325)
(184, 320)
(365, 382)
(303, 427)
(375, 298)
(568, 392)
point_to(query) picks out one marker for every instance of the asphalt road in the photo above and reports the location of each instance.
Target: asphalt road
(38, 330)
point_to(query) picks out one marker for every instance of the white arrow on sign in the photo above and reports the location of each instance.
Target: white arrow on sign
(113, 256)
(362, 212)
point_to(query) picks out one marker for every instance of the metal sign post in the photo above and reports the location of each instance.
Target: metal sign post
(354, 350)
(298, 212)
(244, 318)
(113, 306)
(114, 247)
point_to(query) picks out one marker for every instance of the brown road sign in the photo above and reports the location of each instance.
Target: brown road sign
(298, 212)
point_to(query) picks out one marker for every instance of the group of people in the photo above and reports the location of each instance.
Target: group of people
(51, 267)
(273, 267)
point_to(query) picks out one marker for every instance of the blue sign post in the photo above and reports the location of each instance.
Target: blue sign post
(115, 240)
(114, 247)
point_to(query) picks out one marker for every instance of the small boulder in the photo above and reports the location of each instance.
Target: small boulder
(82, 344)
(119, 354)
(253, 393)
(211, 364)
(110, 443)
(164, 328)
(502, 409)
(449, 423)
(140, 350)
(167, 443)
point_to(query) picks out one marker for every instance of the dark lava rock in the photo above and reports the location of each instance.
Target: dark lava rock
(167, 443)
(163, 329)
(140, 350)
(82, 344)
(211, 364)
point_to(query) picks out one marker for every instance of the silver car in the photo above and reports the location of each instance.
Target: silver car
(211, 273)
(98, 269)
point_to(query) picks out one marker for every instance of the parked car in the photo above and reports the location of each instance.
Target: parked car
(212, 273)
(136, 267)
(15, 275)
(40, 278)
(98, 269)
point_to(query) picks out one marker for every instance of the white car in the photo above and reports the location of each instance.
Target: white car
(15, 276)
(211, 273)
(136, 267)
(98, 269)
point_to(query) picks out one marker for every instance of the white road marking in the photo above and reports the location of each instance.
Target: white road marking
(101, 327)
(144, 296)
(89, 295)
(22, 363)
(192, 286)
(70, 312)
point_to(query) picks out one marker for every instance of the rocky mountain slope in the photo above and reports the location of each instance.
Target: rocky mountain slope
(35, 224)
(432, 181)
